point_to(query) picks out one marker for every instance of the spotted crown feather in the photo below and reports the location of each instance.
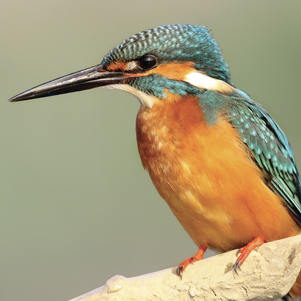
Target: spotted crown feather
(174, 43)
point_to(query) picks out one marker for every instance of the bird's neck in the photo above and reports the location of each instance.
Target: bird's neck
(165, 126)
(171, 121)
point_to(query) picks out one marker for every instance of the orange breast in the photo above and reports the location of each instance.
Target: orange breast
(206, 176)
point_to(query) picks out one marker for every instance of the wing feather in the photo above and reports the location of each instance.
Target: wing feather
(270, 149)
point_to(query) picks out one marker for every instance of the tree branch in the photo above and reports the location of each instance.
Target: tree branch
(268, 274)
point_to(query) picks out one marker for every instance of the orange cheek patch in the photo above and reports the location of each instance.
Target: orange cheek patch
(117, 66)
(174, 70)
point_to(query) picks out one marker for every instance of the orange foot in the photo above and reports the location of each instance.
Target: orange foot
(246, 250)
(198, 256)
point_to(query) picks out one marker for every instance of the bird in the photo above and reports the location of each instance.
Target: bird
(219, 160)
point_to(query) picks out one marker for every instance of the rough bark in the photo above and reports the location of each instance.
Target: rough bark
(268, 274)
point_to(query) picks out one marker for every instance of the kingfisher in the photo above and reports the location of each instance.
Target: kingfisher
(218, 159)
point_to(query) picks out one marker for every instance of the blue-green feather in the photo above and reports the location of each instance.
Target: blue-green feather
(269, 147)
(170, 43)
(155, 84)
(267, 143)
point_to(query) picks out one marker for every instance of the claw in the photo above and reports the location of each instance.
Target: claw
(245, 252)
(183, 265)
(190, 260)
(179, 272)
(236, 267)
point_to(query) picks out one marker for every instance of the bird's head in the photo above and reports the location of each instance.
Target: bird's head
(181, 59)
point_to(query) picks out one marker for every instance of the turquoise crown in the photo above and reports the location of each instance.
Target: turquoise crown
(174, 43)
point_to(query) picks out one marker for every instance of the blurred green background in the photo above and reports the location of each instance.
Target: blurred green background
(76, 205)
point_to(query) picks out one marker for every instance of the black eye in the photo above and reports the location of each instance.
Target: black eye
(147, 62)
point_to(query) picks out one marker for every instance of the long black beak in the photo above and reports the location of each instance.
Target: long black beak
(81, 80)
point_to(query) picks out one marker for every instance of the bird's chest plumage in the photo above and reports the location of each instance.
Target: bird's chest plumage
(204, 174)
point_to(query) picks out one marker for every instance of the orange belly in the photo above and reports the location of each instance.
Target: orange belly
(207, 177)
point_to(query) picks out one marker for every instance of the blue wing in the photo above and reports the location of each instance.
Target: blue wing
(270, 149)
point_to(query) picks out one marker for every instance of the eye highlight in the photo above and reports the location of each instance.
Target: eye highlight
(147, 62)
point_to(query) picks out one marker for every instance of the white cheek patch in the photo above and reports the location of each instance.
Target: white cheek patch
(131, 66)
(203, 81)
(145, 99)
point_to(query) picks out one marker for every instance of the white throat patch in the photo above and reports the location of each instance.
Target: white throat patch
(145, 99)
